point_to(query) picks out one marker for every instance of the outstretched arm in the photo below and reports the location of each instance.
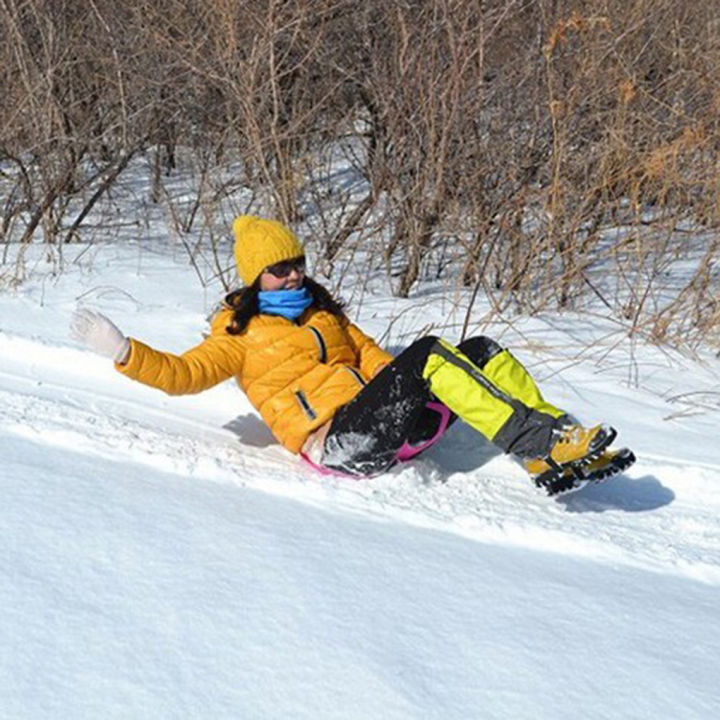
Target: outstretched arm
(215, 359)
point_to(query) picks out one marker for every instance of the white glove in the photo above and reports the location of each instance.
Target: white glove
(99, 334)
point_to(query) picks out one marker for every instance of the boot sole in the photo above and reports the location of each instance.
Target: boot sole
(620, 461)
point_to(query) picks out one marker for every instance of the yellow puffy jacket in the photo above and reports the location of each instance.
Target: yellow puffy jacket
(296, 374)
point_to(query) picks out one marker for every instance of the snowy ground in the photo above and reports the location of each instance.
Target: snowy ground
(164, 557)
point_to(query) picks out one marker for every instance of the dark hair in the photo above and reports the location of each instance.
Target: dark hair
(245, 305)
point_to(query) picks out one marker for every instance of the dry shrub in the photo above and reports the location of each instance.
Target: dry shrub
(543, 152)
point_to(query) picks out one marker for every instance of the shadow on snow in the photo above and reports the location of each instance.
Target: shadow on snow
(619, 493)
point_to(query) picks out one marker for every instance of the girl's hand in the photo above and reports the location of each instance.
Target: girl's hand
(100, 334)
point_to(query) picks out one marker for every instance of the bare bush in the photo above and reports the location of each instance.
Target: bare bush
(65, 125)
(543, 152)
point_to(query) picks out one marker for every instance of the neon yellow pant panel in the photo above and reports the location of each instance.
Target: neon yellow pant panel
(467, 398)
(511, 377)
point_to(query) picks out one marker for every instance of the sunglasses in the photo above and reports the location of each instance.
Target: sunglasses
(283, 268)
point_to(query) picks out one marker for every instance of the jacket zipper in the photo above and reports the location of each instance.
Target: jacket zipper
(321, 343)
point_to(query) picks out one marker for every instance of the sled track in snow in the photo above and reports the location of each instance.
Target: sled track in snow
(662, 516)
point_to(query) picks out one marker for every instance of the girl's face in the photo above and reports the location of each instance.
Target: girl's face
(285, 275)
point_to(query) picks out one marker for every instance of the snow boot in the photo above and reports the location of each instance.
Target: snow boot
(574, 445)
(576, 476)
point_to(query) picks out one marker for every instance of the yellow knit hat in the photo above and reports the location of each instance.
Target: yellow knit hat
(259, 243)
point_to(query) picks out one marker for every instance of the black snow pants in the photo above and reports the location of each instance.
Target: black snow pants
(366, 434)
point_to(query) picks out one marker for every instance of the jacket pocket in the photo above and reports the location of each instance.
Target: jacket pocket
(305, 405)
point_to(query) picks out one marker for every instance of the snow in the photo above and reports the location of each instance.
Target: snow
(163, 557)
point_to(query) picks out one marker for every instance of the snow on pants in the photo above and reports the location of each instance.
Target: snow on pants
(480, 382)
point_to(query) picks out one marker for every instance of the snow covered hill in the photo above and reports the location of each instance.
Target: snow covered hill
(164, 557)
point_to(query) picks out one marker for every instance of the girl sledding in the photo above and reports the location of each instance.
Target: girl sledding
(331, 395)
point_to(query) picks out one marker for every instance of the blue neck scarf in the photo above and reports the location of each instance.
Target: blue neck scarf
(289, 304)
